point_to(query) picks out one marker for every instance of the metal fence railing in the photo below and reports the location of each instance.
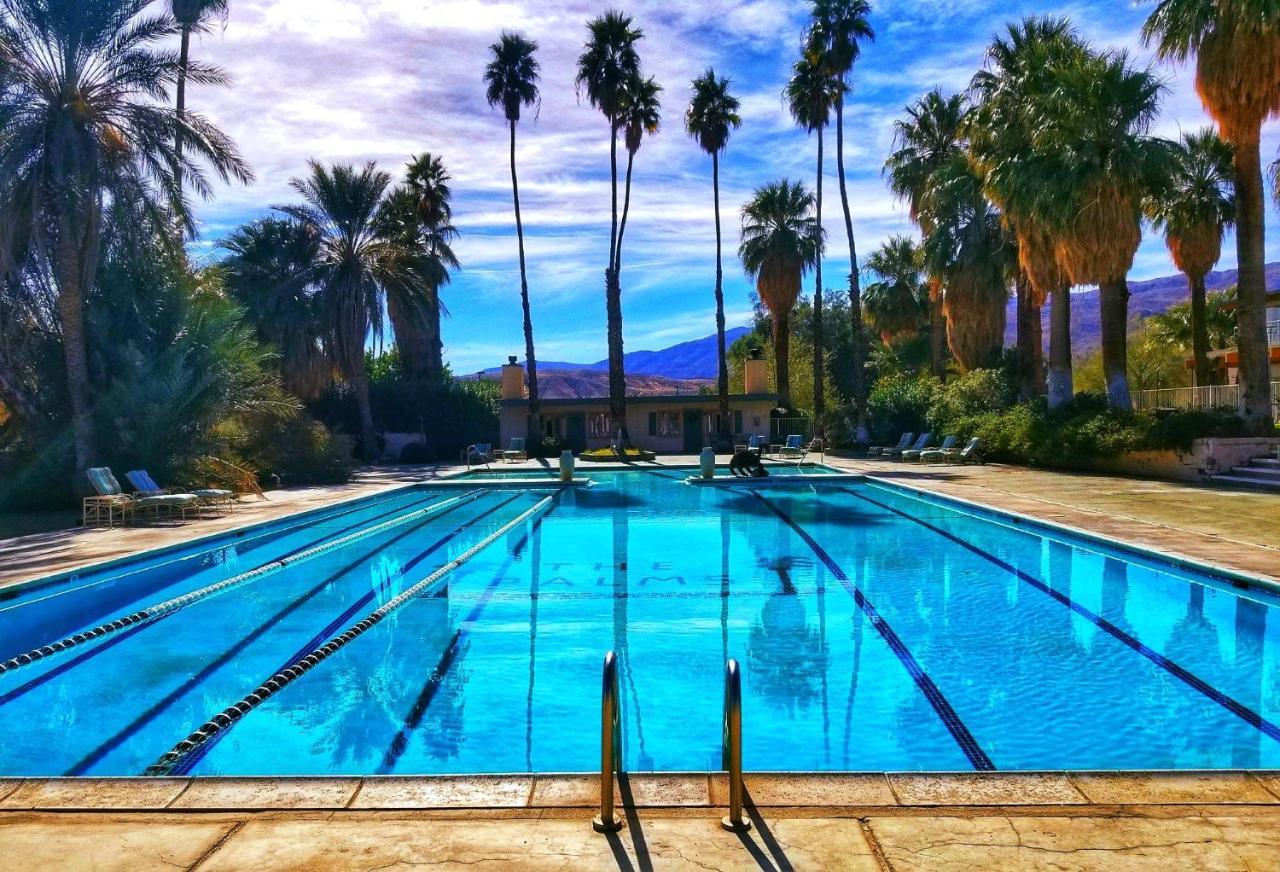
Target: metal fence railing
(1206, 397)
(781, 428)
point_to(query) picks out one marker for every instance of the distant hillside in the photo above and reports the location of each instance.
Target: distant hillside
(1148, 298)
(561, 385)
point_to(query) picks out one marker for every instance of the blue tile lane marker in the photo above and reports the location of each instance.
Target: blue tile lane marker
(1234, 706)
(946, 713)
(96, 755)
(189, 762)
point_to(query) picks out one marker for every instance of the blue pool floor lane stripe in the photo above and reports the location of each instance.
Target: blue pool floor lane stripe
(1232, 705)
(941, 705)
(978, 758)
(189, 762)
(95, 756)
(436, 677)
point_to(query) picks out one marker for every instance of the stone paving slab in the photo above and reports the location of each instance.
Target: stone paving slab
(95, 793)
(104, 843)
(1196, 788)
(267, 793)
(1014, 788)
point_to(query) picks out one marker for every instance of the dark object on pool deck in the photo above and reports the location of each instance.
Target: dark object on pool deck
(747, 464)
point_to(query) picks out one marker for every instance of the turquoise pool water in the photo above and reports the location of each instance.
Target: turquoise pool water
(877, 630)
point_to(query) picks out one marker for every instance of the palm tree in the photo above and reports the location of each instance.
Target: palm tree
(358, 268)
(511, 81)
(781, 239)
(62, 160)
(605, 67)
(836, 34)
(419, 213)
(896, 304)
(811, 95)
(926, 140)
(192, 17)
(712, 114)
(1194, 209)
(267, 273)
(641, 116)
(1098, 165)
(1018, 75)
(1237, 75)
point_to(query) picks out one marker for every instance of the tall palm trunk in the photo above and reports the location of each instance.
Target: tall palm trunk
(819, 356)
(613, 303)
(1114, 301)
(184, 60)
(858, 378)
(626, 210)
(414, 336)
(1199, 328)
(937, 331)
(782, 358)
(71, 303)
(535, 420)
(1061, 382)
(722, 359)
(1030, 341)
(368, 434)
(1255, 359)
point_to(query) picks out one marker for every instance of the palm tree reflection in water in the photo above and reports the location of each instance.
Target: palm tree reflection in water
(787, 657)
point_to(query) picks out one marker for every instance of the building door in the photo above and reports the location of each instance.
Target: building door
(693, 430)
(576, 432)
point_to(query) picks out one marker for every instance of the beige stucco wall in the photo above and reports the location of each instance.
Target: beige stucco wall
(1194, 466)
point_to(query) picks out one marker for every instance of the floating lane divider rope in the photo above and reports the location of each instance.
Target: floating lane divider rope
(151, 613)
(228, 717)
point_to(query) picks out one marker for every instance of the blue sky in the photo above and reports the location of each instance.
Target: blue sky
(354, 80)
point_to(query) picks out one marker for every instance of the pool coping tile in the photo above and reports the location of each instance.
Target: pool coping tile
(1173, 788)
(445, 791)
(639, 790)
(8, 786)
(778, 790)
(70, 794)
(985, 788)
(268, 793)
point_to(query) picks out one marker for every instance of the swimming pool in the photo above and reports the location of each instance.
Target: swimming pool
(877, 629)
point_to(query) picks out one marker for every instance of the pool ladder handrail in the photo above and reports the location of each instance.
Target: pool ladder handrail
(610, 746)
(732, 747)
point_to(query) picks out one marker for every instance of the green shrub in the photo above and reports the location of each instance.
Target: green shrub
(898, 404)
(300, 451)
(975, 393)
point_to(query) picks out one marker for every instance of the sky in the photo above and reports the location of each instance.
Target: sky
(356, 80)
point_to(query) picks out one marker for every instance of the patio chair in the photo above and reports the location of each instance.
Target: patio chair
(971, 453)
(912, 455)
(516, 451)
(481, 452)
(920, 444)
(111, 498)
(794, 446)
(755, 442)
(144, 485)
(882, 450)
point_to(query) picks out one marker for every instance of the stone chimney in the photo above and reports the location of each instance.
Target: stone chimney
(755, 374)
(512, 380)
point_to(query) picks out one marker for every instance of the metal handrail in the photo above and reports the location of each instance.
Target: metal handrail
(610, 746)
(732, 749)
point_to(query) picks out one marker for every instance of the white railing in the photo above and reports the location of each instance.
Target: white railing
(1207, 397)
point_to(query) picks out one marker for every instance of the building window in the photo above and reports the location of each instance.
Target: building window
(737, 421)
(598, 425)
(668, 424)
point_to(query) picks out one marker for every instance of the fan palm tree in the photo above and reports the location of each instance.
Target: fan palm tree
(897, 303)
(357, 270)
(811, 95)
(192, 17)
(1237, 50)
(267, 273)
(641, 116)
(1096, 167)
(1194, 208)
(419, 214)
(968, 247)
(1018, 74)
(511, 81)
(781, 239)
(608, 62)
(928, 139)
(62, 160)
(711, 116)
(836, 33)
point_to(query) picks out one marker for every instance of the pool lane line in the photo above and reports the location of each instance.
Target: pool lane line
(946, 712)
(228, 717)
(130, 730)
(418, 711)
(62, 668)
(153, 612)
(1237, 708)
(191, 760)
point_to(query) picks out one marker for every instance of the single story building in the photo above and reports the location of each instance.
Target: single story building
(681, 423)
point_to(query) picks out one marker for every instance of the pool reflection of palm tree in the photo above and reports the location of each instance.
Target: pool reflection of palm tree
(621, 594)
(535, 574)
(787, 657)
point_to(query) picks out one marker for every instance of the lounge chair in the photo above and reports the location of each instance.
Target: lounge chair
(481, 452)
(971, 453)
(755, 442)
(920, 444)
(794, 446)
(145, 486)
(882, 450)
(912, 455)
(111, 498)
(516, 452)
